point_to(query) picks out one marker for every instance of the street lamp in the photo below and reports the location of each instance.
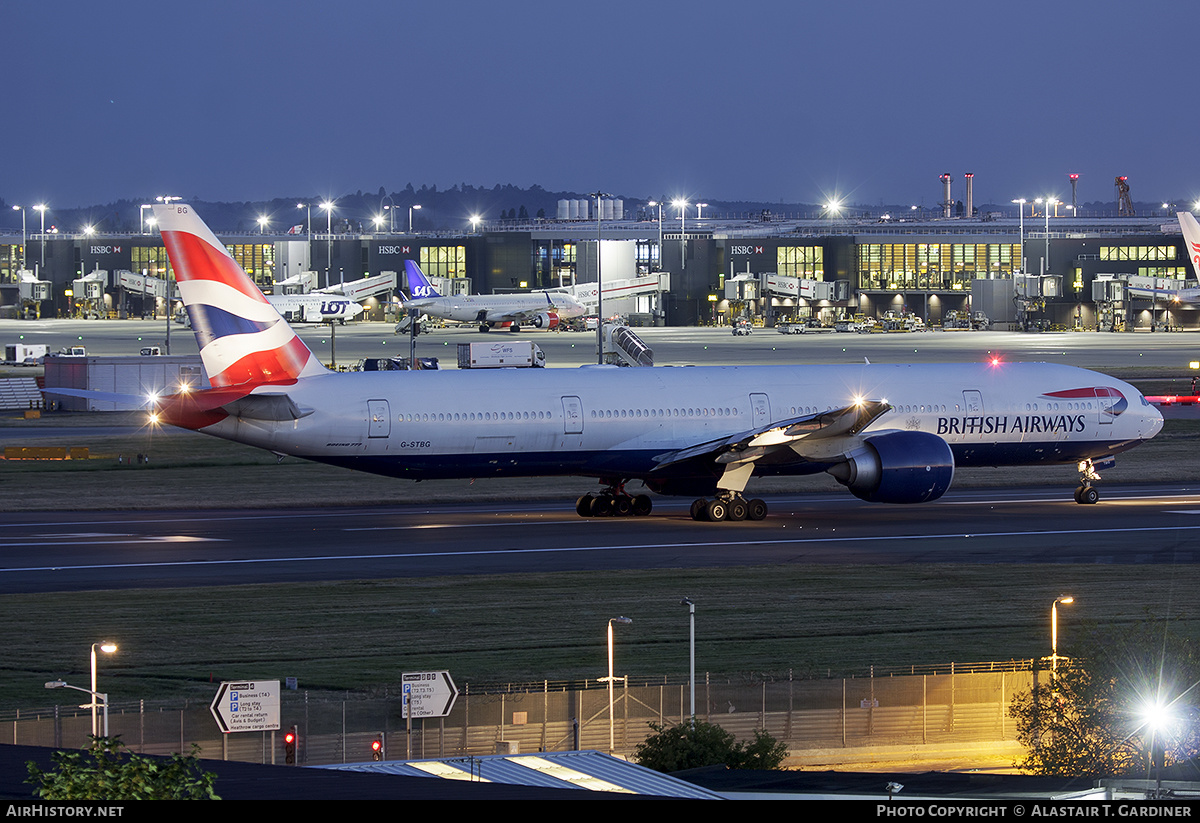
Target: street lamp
(24, 255)
(107, 648)
(475, 218)
(660, 249)
(611, 738)
(41, 208)
(262, 224)
(1021, 214)
(328, 206)
(682, 205)
(692, 657)
(410, 211)
(700, 210)
(599, 288)
(1066, 600)
(142, 215)
(62, 684)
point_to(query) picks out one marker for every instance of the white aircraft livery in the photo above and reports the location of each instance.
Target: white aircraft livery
(889, 433)
(315, 308)
(540, 309)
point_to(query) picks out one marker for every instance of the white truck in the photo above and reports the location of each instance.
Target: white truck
(519, 354)
(20, 354)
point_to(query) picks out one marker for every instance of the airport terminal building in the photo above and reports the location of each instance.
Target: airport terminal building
(1077, 272)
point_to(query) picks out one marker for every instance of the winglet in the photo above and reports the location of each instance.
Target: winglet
(242, 338)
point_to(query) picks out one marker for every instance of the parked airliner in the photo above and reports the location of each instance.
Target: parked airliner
(889, 433)
(541, 309)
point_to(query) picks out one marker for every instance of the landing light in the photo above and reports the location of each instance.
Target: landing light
(994, 360)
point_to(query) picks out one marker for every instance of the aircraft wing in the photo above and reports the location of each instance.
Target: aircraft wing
(819, 436)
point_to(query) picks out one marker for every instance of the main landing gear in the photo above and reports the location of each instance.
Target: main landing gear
(728, 506)
(614, 501)
(1087, 493)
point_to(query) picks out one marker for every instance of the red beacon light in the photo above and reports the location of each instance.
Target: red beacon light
(994, 360)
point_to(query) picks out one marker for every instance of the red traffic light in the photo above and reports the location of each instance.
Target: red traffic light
(289, 738)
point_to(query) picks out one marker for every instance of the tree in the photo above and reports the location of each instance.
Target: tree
(106, 771)
(690, 746)
(1093, 716)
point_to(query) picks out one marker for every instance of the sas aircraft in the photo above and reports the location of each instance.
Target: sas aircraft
(541, 310)
(888, 433)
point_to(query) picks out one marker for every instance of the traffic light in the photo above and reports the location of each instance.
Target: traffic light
(377, 747)
(289, 746)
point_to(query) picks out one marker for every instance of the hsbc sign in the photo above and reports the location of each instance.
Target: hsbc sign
(395, 250)
(106, 249)
(745, 249)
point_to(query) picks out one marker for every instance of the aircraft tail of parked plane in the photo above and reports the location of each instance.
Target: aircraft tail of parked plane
(1191, 238)
(888, 433)
(419, 286)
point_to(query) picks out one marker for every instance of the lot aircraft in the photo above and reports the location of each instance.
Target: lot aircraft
(889, 433)
(541, 310)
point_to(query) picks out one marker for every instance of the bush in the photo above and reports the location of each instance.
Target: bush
(692, 745)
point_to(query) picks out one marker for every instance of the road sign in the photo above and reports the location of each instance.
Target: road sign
(430, 694)
(247, 706)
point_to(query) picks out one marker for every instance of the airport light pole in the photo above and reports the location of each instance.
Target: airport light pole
(611, 735)
(687, 601)
(660, 249)
(328, 206)
(62, 684)
(1020, 201)
(410, 211)
(390, 209)
(166, 201)
(142, 215)
(599, 303)
(682, 205)
(41, 208)
(700, 210)
(1066, 600)
(262, 224)
(107, 648)
(24, 254)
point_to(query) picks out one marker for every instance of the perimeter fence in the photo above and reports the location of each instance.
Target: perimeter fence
(934, 707)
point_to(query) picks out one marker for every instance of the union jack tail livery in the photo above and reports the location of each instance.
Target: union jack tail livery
(243, 340)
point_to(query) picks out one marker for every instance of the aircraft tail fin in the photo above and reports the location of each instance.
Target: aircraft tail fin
(419, 286)
(243, 340)
(1191, 237)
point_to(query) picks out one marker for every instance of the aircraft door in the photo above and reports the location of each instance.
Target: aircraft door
(972, 401)
(379, 418)
(572, 415)
(760, 409)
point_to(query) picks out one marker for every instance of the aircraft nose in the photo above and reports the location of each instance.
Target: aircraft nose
(1153, 421)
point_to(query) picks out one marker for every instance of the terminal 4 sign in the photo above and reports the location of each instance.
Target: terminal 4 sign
(247, 706)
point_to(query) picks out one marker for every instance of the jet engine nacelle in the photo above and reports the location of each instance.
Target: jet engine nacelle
(898, 467)
(545, 320)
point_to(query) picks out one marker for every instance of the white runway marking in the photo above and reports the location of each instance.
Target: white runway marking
(342, 558)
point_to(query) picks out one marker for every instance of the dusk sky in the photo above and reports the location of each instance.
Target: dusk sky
(752, 100)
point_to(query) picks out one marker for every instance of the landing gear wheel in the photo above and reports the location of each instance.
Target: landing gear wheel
(699, 509)
(756, 509)
(583, 506)
(602, 506)
(484, 327)
(717, 510)
(1087, 495)
(515, 327)
(738, 509)
(622, 506)
(642, 504)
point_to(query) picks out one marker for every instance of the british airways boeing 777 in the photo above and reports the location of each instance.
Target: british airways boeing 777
(889, 433)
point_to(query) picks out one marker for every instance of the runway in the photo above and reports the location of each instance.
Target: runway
(105, 550)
